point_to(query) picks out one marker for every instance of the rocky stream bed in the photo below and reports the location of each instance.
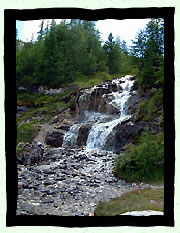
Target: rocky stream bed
(69, 168)
(69, 183)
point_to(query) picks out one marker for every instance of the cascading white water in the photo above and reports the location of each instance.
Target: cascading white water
(70, 137)
(100, 131)
(102, 123)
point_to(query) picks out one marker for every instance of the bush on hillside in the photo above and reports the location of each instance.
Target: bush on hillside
(142, 162)
(26, 132)
(149, 109)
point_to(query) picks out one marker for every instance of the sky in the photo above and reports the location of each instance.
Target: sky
(126, 29)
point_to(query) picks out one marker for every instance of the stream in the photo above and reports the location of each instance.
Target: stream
(102, 123)
(71, 180)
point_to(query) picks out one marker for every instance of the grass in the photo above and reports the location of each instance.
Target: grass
(26, 132)
(42, 105)
(38, 100)
(143, 161)
(82, 81)
(149, 109)
(85, 82)
(141, 199)
(43, 113)
(44, 108)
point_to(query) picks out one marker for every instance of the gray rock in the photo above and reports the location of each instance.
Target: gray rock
(83, 134)
(30, 153)
(54, 138)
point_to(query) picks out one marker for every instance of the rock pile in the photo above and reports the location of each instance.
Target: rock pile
(57, 175)
(68, 182)
(30, 153)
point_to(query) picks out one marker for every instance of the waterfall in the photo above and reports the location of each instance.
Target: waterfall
(102, 123)
(100, 131)
(70, 137)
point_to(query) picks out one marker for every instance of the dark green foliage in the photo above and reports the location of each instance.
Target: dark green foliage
(41, 100)
(26, 132)
(118, 58)
(114, 54)
(142, 162)
(66, 50)
(149, 52)
(60, 52)
(149, 109)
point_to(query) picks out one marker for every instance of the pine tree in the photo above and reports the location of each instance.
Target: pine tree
(41, 33)
(149, 52)
(113, 52)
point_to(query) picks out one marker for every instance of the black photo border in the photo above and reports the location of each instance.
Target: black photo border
(10, 17)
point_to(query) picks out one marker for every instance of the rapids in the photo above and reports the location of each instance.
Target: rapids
(102, 123)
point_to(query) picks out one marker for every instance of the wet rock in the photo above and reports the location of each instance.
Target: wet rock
(123, 134)
(62, 166)
(30, 153)
(63, 127)
(83, 134)
(83, 184)
(114, 87)
(54, 138)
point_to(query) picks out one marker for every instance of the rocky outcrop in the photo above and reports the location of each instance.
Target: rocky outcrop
(90, 99)
(77, 135)
(118, 99)
(55, 138)
(98, 98)
(51, 91)
(83, 134)
(127, 132)
(110, 99)
(30, 153)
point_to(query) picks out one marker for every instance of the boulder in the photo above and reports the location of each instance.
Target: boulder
(133, 102)
(114, 87)
(54, 138)
(63, 127)
(83, 134)
(29, 153)
(122, 134)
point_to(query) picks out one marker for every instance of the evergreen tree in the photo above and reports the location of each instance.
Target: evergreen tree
(64, 51)
(124, 48)
(41, 33)
(149, 52)
(113, 52)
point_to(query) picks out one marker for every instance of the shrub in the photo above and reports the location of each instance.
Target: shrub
(25, 99)
(149, 109)
(26, 132)
(142, 162)
(44, 100)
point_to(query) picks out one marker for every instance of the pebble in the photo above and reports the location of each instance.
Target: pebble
(68, 186)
